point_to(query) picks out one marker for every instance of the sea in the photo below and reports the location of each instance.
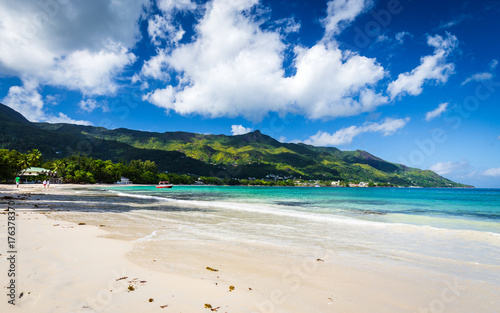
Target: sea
(454, 231)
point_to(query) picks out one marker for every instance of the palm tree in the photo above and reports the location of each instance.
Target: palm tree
(58, 166)
(24, 163)
(89, 164)
(35, 157)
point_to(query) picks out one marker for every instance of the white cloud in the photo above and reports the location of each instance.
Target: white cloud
(493, 64)
(453, 22)
(288, 25)
(346, 135)
(478, 77)
(161, 28)
(445, 168)
(171, 6)
(156, 67)
(383, 38)
(77, 45)
(341, 13)
(92, 73)
(401, 36)
(63, 118)
(240, 130)
(436, 112)
(431, 68)
(234, 68)
(495, 172)
(89, 105)
(27, 101)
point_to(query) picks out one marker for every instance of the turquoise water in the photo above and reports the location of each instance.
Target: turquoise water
(469, 209)
(452, 231)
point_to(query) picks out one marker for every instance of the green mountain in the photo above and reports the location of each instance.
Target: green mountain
(249, 155)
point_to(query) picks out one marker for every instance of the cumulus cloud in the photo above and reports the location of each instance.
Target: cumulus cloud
(92, 73)
(89, 105)
(161, 28)
(431, 68)
(28, 101)
(171, 6)
(78, 45)
(240, 130)
(436, 112)
(156, 67)
(494, 172)
(235, 68)
(478, 77)
(346, 135)
(445, 168)
(63, 118)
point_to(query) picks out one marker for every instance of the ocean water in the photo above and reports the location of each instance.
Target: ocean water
(454, 231)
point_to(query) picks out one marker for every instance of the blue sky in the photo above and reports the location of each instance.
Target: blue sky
(412, 82)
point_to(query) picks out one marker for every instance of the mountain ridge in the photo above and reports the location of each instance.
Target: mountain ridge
(242, 156)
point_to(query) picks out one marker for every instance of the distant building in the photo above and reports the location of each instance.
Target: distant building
(336, 183)
(361, 184)
(37, 171)
(124, 181)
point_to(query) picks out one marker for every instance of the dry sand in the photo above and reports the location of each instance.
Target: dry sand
(65, 267)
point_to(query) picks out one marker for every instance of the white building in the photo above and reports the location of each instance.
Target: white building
(124, 181)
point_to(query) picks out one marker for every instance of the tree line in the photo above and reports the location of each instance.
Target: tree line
(79, 168)
(82, 169)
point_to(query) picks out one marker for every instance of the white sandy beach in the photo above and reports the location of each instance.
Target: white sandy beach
(66, 267)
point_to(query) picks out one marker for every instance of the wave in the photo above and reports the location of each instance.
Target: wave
(262, 209)
(323, 217)
(148, 237)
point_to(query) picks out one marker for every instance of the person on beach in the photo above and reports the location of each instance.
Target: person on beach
(44, 184)
(48, 183)
(18, 179)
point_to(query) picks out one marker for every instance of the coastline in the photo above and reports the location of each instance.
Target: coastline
(66, 267)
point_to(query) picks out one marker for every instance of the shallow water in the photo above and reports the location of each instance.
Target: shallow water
(451, 231)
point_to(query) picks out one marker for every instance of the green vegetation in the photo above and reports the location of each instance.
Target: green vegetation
(181, 157)
(77, 168)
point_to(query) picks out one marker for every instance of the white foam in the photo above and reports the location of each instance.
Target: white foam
(148, 237)
(262, 209)
(276, 210)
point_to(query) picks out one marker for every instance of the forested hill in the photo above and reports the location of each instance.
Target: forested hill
(249, 155)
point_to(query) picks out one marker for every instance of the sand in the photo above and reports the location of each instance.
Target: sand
(66, 267)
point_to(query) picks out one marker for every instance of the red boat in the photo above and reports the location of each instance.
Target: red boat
(164, 184)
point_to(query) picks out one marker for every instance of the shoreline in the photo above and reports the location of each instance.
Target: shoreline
(69, 185)
(75, 267)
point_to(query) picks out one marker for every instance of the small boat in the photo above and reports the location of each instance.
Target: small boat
(164, 184)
